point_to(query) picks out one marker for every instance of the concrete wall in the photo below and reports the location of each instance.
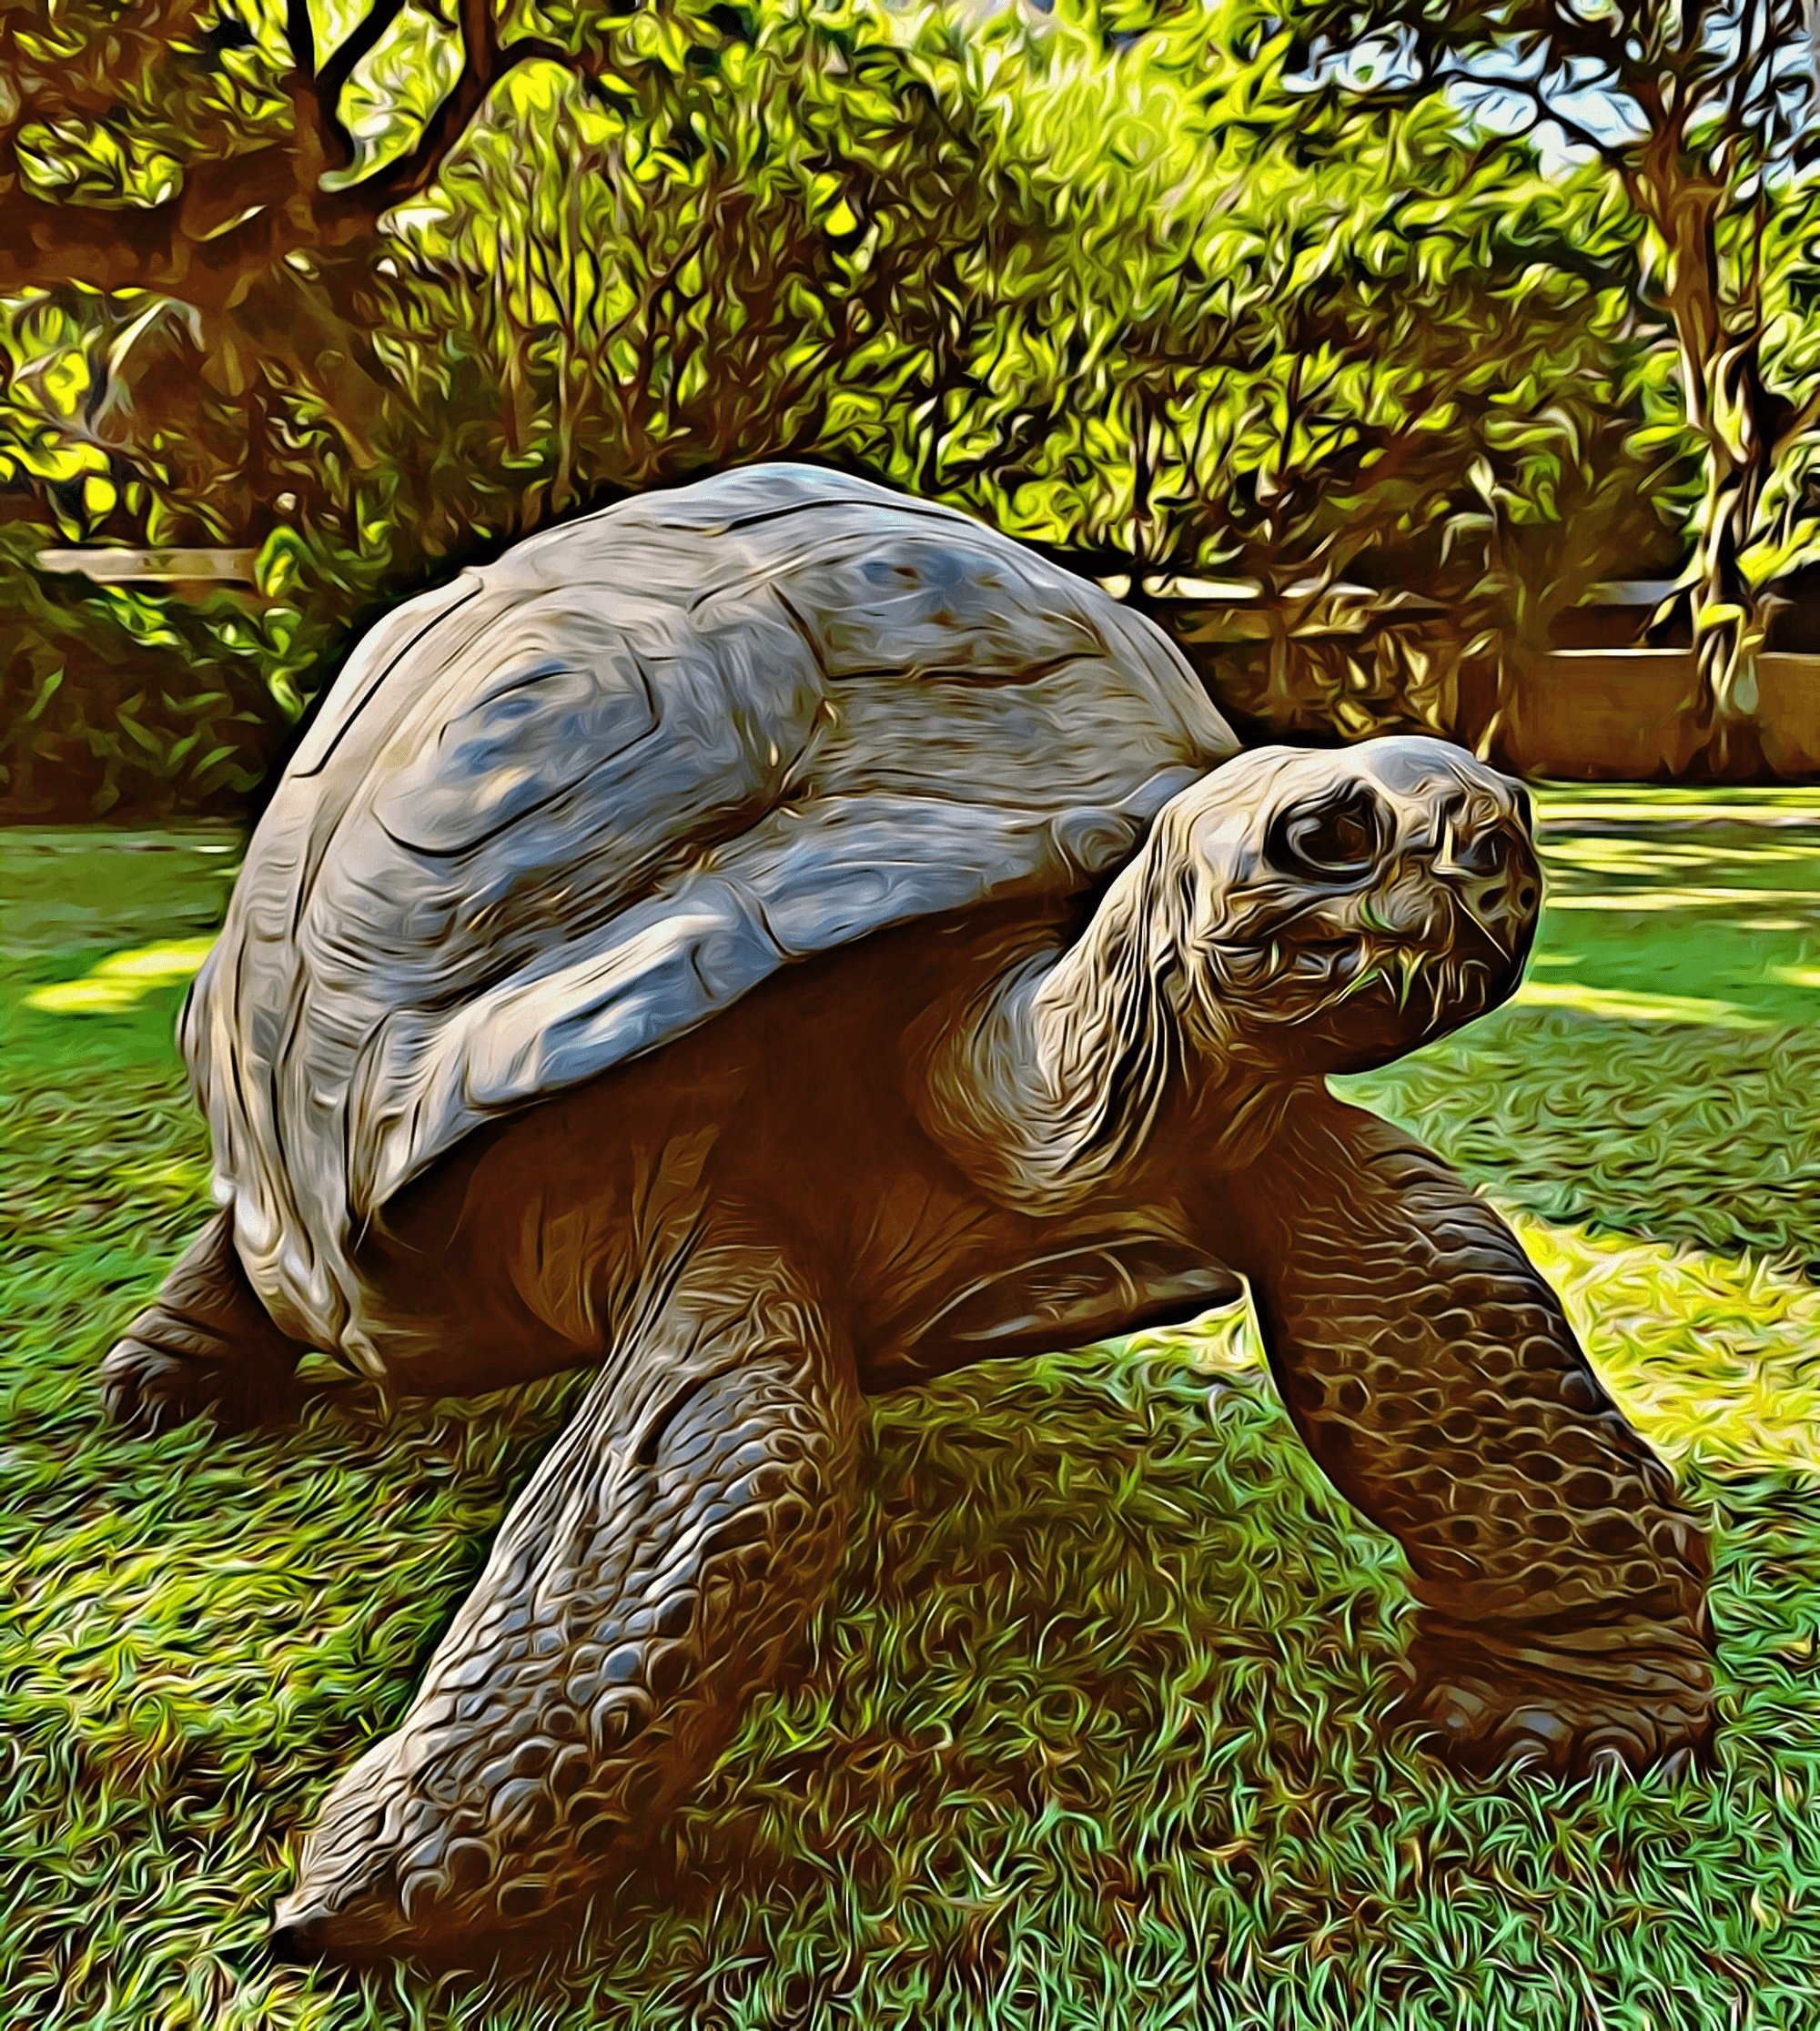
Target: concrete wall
(1621, 714)
(1593, 714)
(1602, 715)
(1790, 713)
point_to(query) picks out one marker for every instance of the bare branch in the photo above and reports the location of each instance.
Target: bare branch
(331, 80)
(1613, 155)
(300, 34)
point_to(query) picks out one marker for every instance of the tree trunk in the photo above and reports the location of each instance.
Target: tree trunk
(1728, 407)
(1728, 618)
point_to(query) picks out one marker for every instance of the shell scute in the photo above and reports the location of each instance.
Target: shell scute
(536, 733)
(925, 602)
(379, 652)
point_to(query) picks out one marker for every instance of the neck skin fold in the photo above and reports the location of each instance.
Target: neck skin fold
(1049, 1084)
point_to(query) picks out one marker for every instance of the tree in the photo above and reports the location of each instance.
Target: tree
(234, 166)
(183, 148)
(768, 248)
(1297, 348)
(1697, 111)
(1117, 290)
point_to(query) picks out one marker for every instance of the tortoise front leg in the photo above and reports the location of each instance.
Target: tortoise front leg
(204, 1343)
(1435, 1378)
(650, 1580)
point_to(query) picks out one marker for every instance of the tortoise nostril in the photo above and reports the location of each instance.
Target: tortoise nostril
(1487, 852)
(1491, 871)
(1488, 857)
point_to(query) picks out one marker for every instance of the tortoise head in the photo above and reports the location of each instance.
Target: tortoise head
(1327, 911)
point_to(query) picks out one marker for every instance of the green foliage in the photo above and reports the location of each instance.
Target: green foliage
(1699, 114)
(119, 702)
(1108, 280)
(1090, 1733)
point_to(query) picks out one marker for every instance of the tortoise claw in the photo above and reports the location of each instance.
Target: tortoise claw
(166, 1370)
(1493, 1703)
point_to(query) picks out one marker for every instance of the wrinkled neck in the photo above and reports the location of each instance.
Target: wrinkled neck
(1052, 1080)
(1101, 1031)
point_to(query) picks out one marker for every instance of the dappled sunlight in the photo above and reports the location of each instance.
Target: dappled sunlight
(122, 979)
(1381, 360)
(1674, 1132)
(1722, 897)
(1657, 898)
(1633, 1007)
(1643, 805)
(1617, 853)
(1716, 1360)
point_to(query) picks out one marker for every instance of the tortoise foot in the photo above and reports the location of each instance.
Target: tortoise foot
(1628, 1697)
(384, 1868)
(167, 1369)
(388, 1870)
(204, 1343)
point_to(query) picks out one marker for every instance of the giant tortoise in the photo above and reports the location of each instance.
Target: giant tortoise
(777, 940)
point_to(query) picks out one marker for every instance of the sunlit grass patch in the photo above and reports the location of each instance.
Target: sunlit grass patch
(1716, 1360)
(122, 978)
(1615, 1003)
(1090, 1732)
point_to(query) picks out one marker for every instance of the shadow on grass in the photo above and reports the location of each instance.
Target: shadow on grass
(1678, 1133)
(1090, 1732)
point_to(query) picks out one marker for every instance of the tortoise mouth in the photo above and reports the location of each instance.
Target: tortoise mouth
(1358, 1000)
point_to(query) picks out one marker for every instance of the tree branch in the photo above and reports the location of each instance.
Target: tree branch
(229, 219)
(1612, 155)
(238, 214)
(300, 34)
(331, 80)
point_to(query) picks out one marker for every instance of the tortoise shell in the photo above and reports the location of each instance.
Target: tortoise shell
(570, 805)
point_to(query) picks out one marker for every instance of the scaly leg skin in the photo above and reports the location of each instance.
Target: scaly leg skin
(204, 1343)
(1435, 1378)
(652, 1578)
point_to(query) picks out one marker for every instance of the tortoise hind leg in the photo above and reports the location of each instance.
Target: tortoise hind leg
(1435, 1378)
(204, 1343)
(650, 1580)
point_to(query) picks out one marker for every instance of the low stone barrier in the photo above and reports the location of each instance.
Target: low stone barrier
(1622, 715)
(1789, 688)
(1602, 715)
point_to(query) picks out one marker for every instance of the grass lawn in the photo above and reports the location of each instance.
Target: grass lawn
(1091, 1735)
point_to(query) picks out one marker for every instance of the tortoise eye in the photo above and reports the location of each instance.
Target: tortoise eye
(1339, 836)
